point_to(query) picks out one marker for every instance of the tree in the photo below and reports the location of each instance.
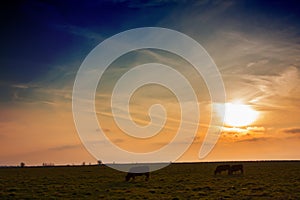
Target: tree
(22, 164)
(99, 162)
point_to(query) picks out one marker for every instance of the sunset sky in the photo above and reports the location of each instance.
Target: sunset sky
(255, 45)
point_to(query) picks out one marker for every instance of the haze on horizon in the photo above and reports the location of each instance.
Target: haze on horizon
(255, 45)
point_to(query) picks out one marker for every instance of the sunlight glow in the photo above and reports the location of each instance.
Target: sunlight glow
(238, 115)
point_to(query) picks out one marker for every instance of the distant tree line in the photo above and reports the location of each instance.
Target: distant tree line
(48, 164)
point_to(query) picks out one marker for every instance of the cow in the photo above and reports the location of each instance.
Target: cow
(236, 168)
(221, 168)
(138, 171)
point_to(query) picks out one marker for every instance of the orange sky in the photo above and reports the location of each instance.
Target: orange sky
(37, 132)
(255, 47)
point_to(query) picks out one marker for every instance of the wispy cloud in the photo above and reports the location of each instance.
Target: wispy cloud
(80, 31)
(145, 4)
(285, 86)
(53, 88)
(65, 147)
(218, 7)
(282, 84)
(241, 133)
(20, 86)
(256, 129)
(255, 139)
(295, 130)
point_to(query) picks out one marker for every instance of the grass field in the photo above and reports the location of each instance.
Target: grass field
(262, 180)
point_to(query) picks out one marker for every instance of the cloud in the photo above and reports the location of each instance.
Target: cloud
(118, 140)
(21, 86)
(52, 89)
(240, 133)
(146, 4)
(255, 139)
(292, 130)
(218, 7)
(259, 63)
(83, 32)
(281, 84)
(243, 129)
(105, 130)
(65, 147)
(284, 86)
(46, 95)
(256, 129)
(234, 130)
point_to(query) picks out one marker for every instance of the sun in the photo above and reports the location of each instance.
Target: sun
(238, 115)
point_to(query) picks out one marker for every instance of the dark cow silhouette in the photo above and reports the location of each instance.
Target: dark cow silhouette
(236, 168)
(138, 171)
(221, 168)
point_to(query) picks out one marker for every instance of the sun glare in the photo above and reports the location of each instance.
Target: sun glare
(238, 115)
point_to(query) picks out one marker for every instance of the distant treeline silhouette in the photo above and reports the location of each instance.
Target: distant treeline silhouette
(48, 164)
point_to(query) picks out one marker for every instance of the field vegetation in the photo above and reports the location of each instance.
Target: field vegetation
(261, 180)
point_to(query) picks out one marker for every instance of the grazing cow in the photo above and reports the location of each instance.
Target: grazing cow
(236, 168)
(138, 171)
(221, 168)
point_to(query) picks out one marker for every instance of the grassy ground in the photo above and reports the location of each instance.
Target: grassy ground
(262, 180)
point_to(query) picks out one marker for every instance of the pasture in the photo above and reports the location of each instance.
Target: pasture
(261, 180)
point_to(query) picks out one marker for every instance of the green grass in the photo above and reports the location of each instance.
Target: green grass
(262, 180)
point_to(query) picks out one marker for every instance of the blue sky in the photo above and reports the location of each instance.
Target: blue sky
(39, 35)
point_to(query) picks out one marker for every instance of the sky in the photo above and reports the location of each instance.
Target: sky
(254, 44)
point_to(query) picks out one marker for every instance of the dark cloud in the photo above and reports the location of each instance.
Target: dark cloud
(105, 130)
(292, 130)
(145, 4)
(256, 139)
(65, 147)
(118, 140)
